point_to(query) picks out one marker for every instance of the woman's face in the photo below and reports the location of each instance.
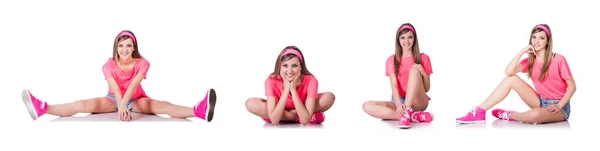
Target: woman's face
(539, 40)
(406, 40)
(290, 68)
(125, 49)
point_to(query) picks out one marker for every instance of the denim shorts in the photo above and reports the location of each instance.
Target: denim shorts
(401, 100)
(566, 110)
(129, 104)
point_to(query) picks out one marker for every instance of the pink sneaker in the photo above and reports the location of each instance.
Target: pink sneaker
(477, 115)
(404, 120)
(317, 118)
(205, 109)
(421, 117)
(502, 114)
(36, 107)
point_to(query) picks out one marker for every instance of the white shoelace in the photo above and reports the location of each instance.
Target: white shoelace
(405, 116)
(415, 118)
(474, 112)
(504, 115)
(43, 104)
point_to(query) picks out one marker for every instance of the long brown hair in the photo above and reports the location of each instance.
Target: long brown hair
(281, 59)
(547, 54)
(415, 48)
(136, 53)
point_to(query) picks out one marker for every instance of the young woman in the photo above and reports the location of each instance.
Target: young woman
(291, 92)
(552, 79)
(123, 72)
(409, 71)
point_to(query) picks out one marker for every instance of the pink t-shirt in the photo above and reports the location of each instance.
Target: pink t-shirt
(111, 70)
(555, 85)
(307, 89)
(405, 65)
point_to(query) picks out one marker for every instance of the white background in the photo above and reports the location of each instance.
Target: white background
(57, 48)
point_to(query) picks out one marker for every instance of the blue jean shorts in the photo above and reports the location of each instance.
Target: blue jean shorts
(129, 105)
(566, 110)
(401, 100)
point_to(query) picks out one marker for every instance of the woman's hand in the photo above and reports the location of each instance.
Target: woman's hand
(529, 49)
(400, 110)
(124, 114)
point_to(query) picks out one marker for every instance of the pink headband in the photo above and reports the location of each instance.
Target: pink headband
(544, 28)
(408, 27)
(125, 33)
(292, 51)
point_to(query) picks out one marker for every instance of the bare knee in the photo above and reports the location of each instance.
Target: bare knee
(533, 117)
(329, 96)
(325, 101)
(141, 105)
(150, 106)
(252, 105)
(511, 78)
(84, 105)
(414, 72)
(159, 107)
(367, 106)
(249, 104)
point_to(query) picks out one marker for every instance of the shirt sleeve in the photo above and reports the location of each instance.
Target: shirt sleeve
(565, 70)
(143, 68)
(426, 63)
(107, 69)
(389, 66)
(524, 63)
(269, 87)
(312, 88)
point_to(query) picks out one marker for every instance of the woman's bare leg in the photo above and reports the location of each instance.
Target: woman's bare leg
(94, 105)
(258, 107)
(381, 109)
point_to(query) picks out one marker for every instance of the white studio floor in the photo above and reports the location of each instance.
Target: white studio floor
(491, 123)
(437, 125)
(115, 117)
(391, 124)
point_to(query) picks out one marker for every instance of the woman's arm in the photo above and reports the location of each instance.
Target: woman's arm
(570, 91)
(514, 67)
(114, 87)
(276, 108)
(131, 88)
(304, 113)
(395, 92)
